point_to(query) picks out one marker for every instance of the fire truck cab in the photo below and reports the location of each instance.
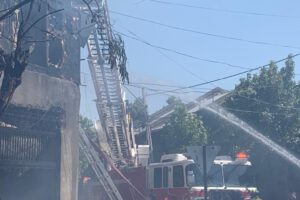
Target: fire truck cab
(168, 179)
(177, 177)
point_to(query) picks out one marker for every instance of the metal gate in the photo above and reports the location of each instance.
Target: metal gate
(30, 154)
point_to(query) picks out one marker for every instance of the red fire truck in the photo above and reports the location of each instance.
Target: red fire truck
(178, 177)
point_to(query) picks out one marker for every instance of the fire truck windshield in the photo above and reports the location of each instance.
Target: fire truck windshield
(228, 175)
(235, 175)
(215, 176)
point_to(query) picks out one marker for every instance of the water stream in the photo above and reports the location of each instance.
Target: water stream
(221, 112)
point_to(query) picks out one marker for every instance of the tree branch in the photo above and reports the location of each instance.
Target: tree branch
(14, 8)
(37, 21)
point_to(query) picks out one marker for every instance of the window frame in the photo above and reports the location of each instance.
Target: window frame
(182, 177)
(165, 177)
(157, 171)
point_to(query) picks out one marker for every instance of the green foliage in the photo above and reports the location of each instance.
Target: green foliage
(273, 98)
(88, 126)
(117, 56)
(138, 112)
(269, 101)
(182, 129)
(173, 100)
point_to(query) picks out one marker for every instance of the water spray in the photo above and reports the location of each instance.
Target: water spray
(224, 114)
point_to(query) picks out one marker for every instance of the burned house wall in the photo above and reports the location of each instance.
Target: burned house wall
(30, 154)
(52, 80)
(41, 90)
(57, 51)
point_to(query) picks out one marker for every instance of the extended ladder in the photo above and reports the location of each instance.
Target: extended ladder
(98, 167)
(110, 103)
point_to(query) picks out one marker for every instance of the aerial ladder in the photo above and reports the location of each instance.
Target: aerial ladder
(110, 96)
(98, 166)
(110, 102)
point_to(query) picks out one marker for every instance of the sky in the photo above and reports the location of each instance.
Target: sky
(243, 34)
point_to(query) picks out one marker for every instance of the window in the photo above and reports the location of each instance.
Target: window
(165, 177)
(178, 176)
(157, 177)
(197, 173)
(215, 176)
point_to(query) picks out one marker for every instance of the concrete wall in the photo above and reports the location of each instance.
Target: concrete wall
(41, 90)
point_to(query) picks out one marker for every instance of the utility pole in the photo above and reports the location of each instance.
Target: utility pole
(148, 128)
(204, 172)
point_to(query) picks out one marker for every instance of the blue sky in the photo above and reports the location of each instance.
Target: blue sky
(149, 65)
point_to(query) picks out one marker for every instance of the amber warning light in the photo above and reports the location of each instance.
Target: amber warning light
(242, 155)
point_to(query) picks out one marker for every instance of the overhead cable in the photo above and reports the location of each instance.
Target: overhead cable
(231, 76)
(169, 58)
(225, 10)
(180, 53)
(205, 33)
(162, 90)
(164, 85)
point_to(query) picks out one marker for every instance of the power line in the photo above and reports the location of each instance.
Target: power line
(205, 33)
(180, 53)
(161, 90)
(268, 103)
(137, 98)
(231, 76)
(233, 109)
(169, 58)
(225, 10)
(238, 110)
(164, 85)
(243, 96)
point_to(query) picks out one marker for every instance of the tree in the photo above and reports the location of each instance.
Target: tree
(182, 129)
(173, 100)
(26, 14)
(269, 101)
(138, 111)
(88, 127)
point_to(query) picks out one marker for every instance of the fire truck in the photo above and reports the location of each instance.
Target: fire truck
(178, 177)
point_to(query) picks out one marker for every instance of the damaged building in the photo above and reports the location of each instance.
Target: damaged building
(39, 127)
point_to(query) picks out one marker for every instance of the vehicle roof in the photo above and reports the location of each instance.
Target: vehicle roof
(188, 161)
(232, 162)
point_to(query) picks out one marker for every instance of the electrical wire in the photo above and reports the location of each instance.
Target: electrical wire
(225, 10)
(231, 76)
(243, 96)
(169, 58)
(180, 53)
(237, 110)
(233, 109)
(164, 85)
(205, 33)
(137, 98)
(268, 103)
(161, 90)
